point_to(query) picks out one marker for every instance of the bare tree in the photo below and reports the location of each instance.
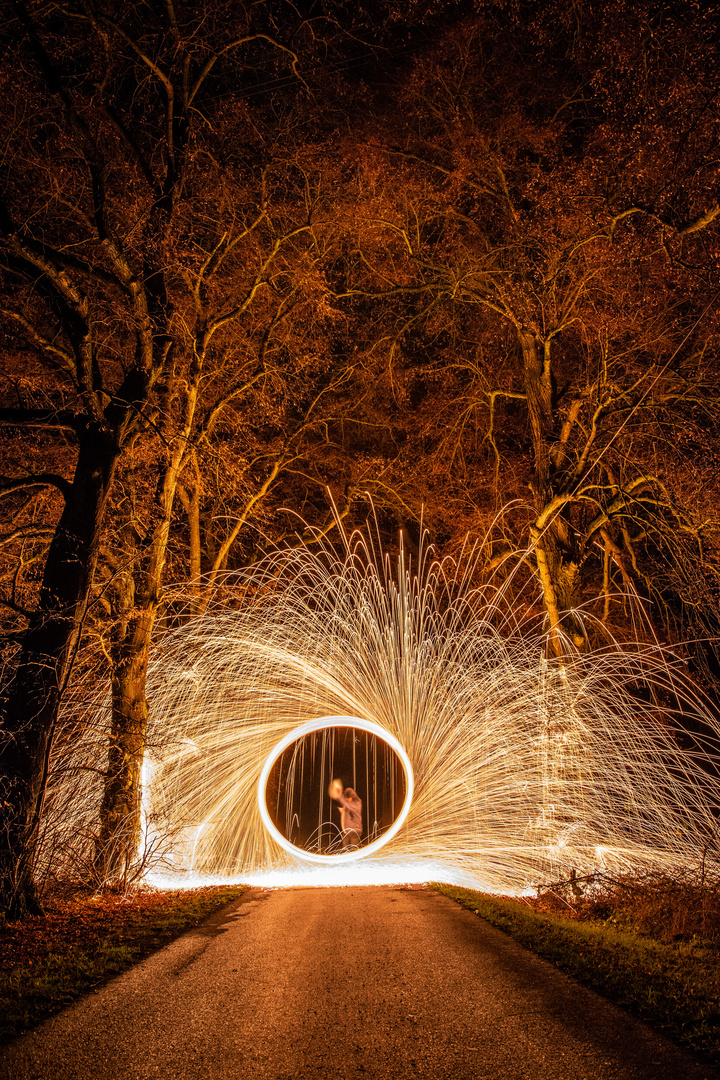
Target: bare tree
(556, 323)
(121, 304)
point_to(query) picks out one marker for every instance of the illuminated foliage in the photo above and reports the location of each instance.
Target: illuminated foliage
(461, 257)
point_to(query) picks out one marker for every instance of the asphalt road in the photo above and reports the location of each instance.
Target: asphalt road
(344, 983)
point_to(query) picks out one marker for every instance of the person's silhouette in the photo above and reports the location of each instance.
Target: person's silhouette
(350, 814)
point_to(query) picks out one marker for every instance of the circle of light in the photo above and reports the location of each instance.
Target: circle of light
(322, 724)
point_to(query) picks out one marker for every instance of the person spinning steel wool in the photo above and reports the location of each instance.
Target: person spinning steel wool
(350, 814)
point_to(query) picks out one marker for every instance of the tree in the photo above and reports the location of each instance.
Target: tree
(96, 239)
(527, 275)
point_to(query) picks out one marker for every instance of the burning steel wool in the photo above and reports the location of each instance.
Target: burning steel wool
(513, 768)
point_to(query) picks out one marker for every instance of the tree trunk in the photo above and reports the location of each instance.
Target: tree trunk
(35, 692)
(557, 562)
(538, 391)
(138, 598)
(119, 835)
(560, 579)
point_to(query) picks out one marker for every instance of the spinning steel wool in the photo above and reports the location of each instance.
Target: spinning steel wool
(522, 767)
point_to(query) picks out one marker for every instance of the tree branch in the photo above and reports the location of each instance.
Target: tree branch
(60, 420)
(31, 532)
(23, 483)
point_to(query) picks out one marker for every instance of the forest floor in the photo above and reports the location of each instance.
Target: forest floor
(86, 938)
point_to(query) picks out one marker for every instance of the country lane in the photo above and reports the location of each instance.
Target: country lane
(344, 983)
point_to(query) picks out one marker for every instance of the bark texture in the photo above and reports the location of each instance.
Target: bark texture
(36, 689)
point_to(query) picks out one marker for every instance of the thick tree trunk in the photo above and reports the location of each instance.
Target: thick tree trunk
(557, 562)
(560, 579)
(43, 667)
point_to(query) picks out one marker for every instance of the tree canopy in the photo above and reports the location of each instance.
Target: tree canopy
(262, 260)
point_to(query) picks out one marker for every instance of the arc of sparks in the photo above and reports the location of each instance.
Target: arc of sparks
(520, 767)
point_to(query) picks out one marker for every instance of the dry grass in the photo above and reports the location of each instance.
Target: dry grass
(685, 907)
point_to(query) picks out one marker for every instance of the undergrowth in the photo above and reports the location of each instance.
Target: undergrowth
(684, 907)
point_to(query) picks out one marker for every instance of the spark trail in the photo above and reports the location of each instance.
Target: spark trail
(523, 767)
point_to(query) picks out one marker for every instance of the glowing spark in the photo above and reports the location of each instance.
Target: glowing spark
(518, 768)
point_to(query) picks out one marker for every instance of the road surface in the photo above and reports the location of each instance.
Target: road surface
(344, 984)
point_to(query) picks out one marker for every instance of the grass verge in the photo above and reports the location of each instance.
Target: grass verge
(84, 939)
(674, 986)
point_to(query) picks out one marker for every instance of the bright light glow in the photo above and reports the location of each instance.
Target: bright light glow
(321, 724)
(374, 872)
(519, 768)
